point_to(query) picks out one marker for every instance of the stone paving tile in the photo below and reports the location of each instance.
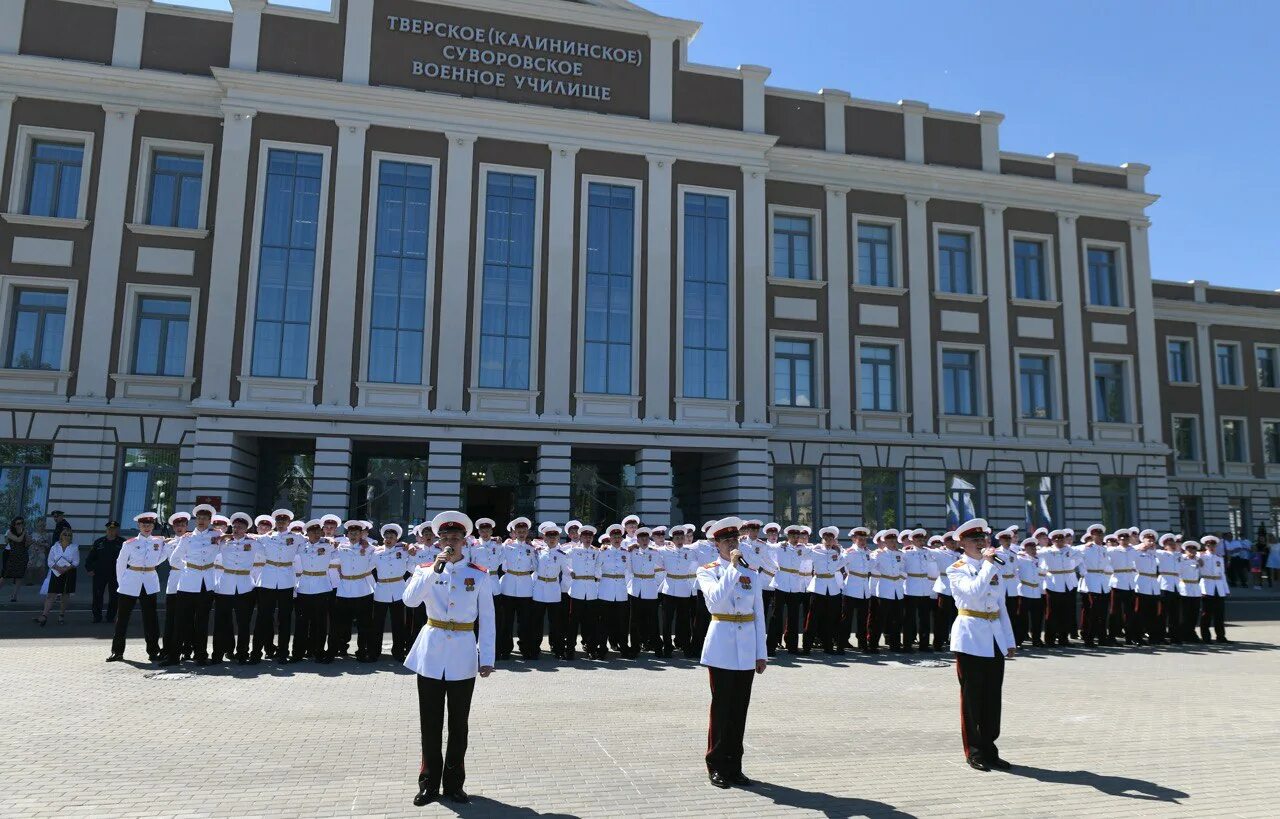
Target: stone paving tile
(1118, 733)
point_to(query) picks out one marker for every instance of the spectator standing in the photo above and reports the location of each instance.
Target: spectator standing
(100, 563)
(59, 523)
(60, 583)
(17, 551)
(1270, 558)
(1239, 553)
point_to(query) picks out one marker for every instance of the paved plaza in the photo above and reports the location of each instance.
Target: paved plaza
(1118, 733)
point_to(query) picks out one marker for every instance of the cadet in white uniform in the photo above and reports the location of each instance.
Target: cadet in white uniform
(317, 578)
(1094, 567)
(888, 584)
(548, 604)
(789, 590)
(612, 601)
(178, 521)
(276, 583)
(734, 651)
(1213, 590)
(981, 637)
(448, 654)
(917, 593)
(1146, 590)
(1169, 623)
(857, 581)
(138, 584)
(1123, 574)
(679, 578)
(195, 559)
(1189, 592)
(584, 589)
(1028, 621)
(234, 592)
(392, 561)
(823, 625)
(354, 600)
(515, 603)
(1058, 563)
(642, 594)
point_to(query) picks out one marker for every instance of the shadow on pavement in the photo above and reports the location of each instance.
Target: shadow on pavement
(484, 806)
(1111, 785)
(825, 803)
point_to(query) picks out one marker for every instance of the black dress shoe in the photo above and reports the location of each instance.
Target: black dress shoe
(977, 764)
(740, 779)
(425, 797)
(718, 780)
(459, 796)
(114, 658)
(997, 762)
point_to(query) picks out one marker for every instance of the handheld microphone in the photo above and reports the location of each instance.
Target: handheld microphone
(999, 561)
(440, 558)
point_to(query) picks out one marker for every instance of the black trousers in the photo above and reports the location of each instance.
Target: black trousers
(644, 623)
(944, 614)
(104, 584)
(701, 621)
(1120, 624)
(766, 600)
(192, 612)
(515, 619)
(1060, 613)
(1028, 619)
(418, 618)
(584, 622)
(275, 621)
(730, 699)
(1213, 613)
(1189, 611)
(915, 620)
(853, 619)
(399, 628)
(613, 625)
(448, 769)
(675, 616)
(313, 626)
(1238, 571)
(232, 615)
(981, 680)
(1146, 615)
(348, 610)
(884, 617)
(784, 620)
(548, 619)
(823, 626)
(171, 625)
(1169, 622)
(1093, 619)
(150, 624)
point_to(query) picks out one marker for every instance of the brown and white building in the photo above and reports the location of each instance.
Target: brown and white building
(523, 255)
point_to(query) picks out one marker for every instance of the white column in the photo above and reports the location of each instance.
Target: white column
(1206, 375)
(661, 61)
(558, 333)
(1136, 176)
(839, 400)
(998, 318)
(989, 125)
(1064, 166)
(753, 77)
(653, 485)
(246, 27)
(552, 500)
(1144, 313)
(344, 262)
(6, 116)
(131, 17)
(913, 128)
(1077, 377)
(11, 14)
(918, 294)
(228, 235)
(658, 292)
(104, 253)
(754, 319)
(355, 55)
(455, 279)
(834, 102)
(331, 479)
(444, 477)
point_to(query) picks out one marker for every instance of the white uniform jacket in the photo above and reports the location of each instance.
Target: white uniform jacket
(1059, 568)
(60, 559)
(735, 638)
(280, 559)
(1188, 576)
(1122, 568)
(487, 554)
(643, 580)
(584, 572)
(171, 587)
(915, 565)
(1009, 571)
(355, 569)
(1213, 576)
(1167, 567)
(390, 565)
(317, 571)
(518, 563)
(888, 574)
(942, 558)
(136, 565)
(857, 568)
(790, 561)
(679, 571)
(827, 564)
(982, 620)
(1030, 576)
(456, 597)
(613, 574)
(196, 557)
(1094, 568)
(759, 556)
(548, 577)
(1146, 572)
(236, 559)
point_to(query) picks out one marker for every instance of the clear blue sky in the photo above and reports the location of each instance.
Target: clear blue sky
(1186, 87)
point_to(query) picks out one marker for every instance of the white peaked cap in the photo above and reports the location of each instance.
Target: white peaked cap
(452, 517)
(391, 527)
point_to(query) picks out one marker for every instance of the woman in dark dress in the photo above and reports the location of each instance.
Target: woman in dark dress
(17, 550)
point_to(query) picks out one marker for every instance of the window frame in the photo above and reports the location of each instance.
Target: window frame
(980, 375)
(894, 224)
(1131, 500)
(977, 262)
(133, 293)
(1054, 493)
(1120, 249)
(1275, 365)
(979, 493)
(1262, 427)
(118, 478)
(637, 273)
(899, 509)
(24, 142)
(815, 487)
(265, 147)
(1050, 267)
(1243, 427)
(731, 392)
(817, 249)
(1131, 399)
(148, 147)
(816, 368)
(1055, 383)
(9, 286)
(1198, 443)
(1191, 361)
(899, 367)
(1238, 365)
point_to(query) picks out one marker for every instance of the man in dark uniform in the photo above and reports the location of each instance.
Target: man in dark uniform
(100, 563)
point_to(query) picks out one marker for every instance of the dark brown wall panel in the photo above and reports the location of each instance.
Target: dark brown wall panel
(72, 31)
(188, 45)
(1106, 180)
(873, 132)
(309, 48)
(1017, 167)
(947, 142)
(796, 123)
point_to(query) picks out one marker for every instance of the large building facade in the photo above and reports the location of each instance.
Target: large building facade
(523, 256)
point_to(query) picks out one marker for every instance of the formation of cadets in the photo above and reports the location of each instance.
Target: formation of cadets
(291, 590)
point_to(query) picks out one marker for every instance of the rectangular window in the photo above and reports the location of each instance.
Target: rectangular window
(792, 247)
(24, 484)
(506, 317)
(1117, 502)
(148, 482)
(398, 311)
(706, 296)
(1190, 515)
(1104, 278)
(611, 213)
(1227, 357)
(175, 197)
(36, 329)
(964, 497)
(1237, 517)
(882, 498)
(1186, 438)
(1035, 383)
(160, 336)
(1181, 369)
(1233, 444)
(53, 179)
(287, 264)
(878, 371)
(795, 493)
(955, 262)
(959, 382)
(875, 255)
(1041, 497)
(1267, 360)
(1271, 441)
(1030, 279)
(1110, 393)
(793, 373)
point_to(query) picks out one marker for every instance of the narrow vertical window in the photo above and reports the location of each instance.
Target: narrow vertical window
(793, 373)
(160, 336)
(1228, 359)
(36, 329)
(398, 312)
(792, 247)
(960, 382)
(53, 180)
(706, 296)
(875, 255)
(878, 371)
(1036, 386)
(1110, 393)
(955, 263)
(1029, 270)
(1179, 356)
(1104, 283)
(176, 180)
(506, 319)
(611, 211)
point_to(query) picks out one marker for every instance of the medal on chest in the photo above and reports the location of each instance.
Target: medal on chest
(469, 584)
(745, 582)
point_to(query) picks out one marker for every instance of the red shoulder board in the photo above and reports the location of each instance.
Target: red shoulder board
(478, 568)
(711, 565)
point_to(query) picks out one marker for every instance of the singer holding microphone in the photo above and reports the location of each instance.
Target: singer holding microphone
(733, 652)
(448, 654)
(981, 637)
